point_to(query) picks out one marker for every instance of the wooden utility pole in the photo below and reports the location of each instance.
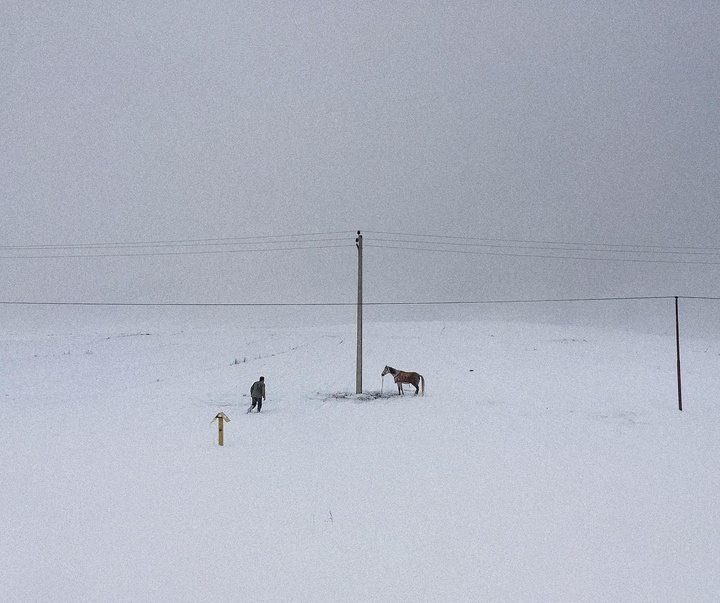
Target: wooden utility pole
(358, 362)
(677, 343)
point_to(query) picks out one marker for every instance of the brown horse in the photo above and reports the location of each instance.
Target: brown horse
(405, 377)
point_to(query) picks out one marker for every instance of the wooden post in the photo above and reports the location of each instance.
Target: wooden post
(358, 361)
(221, 417)
(677, 344)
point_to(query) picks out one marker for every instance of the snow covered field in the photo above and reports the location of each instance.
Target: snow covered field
(545, 463)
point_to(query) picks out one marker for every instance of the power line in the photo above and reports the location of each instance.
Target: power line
(170, 245)
(250, 244)
(699, 297)
(514, 245)
(185, 242)
(629, 246)
(541, 256)
(347, 304)
(522, 301)
(556, 250)
(166, 253)
(176, 304)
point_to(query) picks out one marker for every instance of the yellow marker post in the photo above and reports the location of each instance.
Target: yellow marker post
(220, 417)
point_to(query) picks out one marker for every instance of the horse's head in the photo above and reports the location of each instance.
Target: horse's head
(386, 370)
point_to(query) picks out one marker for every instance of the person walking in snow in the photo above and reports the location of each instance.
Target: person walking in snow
(257, 393)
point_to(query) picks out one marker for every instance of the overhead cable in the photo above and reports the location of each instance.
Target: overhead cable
(541, 256)
(629, 246)
(345, 304)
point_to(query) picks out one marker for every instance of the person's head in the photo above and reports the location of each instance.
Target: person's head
(262, 378)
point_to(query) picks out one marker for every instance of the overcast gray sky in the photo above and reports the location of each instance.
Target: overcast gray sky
(533, 121)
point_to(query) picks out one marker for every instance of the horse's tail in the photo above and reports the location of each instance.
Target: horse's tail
(422, 381)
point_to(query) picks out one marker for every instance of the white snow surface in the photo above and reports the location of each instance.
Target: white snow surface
(544, 463)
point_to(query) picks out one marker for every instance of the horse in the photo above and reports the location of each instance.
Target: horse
(405, 377)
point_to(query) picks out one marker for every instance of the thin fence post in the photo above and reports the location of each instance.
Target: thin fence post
(359, 353)
(677, 344)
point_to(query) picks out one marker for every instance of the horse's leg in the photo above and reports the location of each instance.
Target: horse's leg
(417, 389)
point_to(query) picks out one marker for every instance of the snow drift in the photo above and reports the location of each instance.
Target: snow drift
(544, 463)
